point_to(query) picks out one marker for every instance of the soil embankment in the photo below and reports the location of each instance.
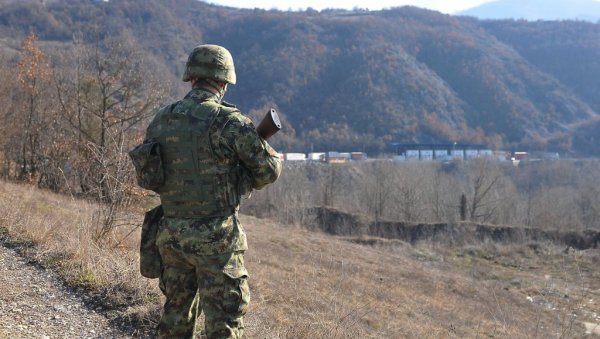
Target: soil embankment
(336, 222)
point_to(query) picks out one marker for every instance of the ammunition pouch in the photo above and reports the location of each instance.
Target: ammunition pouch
(148, 165)
(150, 262)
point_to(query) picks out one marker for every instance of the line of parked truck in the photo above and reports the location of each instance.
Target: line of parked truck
(421, 155)
(327, 157)
(468, 154)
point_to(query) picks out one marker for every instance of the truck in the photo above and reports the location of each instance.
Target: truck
(295, 156)
(426, 154)
(358, 156)
(457, 154)
(316, 156)
(412, 154)
(440, 154)
(471, 154)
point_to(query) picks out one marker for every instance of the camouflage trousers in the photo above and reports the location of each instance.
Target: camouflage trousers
(216, 285)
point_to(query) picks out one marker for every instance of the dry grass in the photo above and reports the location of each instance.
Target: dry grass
(60, 230)
(310, 285)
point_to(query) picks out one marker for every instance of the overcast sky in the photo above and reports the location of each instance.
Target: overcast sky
(444, 6)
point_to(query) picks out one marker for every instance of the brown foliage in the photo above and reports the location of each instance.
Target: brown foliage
(71, 122)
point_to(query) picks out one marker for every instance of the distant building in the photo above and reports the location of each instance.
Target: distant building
(411, 154)
(457, 154)
(440, 152)
(471, 154)
(426, 154)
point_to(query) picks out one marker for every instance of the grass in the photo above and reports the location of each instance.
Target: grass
(306, 284)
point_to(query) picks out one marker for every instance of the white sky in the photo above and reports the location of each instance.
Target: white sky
(444, 6)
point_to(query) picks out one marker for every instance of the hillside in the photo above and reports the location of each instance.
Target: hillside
(358, 80)
(309, 285)
(537, 10)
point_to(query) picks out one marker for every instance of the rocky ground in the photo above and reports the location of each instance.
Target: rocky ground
(36, 304)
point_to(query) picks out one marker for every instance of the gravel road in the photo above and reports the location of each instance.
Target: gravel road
(36, 304)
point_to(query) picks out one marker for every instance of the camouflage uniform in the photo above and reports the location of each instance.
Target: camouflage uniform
(200, 240)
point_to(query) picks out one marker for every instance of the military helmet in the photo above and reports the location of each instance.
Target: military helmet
(210, 61)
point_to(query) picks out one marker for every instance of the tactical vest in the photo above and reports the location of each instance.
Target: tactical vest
(197, 182)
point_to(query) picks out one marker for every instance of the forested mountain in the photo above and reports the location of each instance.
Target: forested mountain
(357, 80)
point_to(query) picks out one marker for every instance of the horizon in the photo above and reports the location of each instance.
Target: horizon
(437, 5)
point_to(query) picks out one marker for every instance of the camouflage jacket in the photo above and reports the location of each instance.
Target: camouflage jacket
(235, 140)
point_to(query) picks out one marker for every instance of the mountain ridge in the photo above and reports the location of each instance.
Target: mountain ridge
(358, 80)
(588, 10)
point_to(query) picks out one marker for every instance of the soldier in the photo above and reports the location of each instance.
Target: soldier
(212, 157)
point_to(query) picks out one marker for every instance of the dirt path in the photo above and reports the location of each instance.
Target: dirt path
(35, 304)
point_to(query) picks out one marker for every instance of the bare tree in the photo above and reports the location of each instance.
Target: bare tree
(103, 97)
(379, 185)
(116, 181)
(10, 138)
(544, 195)
(331, 183)
(33, 72)
(463, 207)
(483, 175)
